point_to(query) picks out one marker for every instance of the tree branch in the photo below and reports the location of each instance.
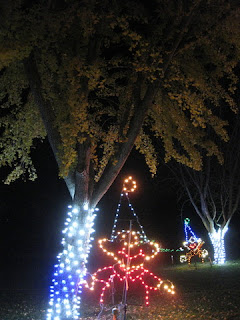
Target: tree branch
(47, 114)
(112, 169)
(193, 202)
(212, 203)
(180, 36)
(82, 172)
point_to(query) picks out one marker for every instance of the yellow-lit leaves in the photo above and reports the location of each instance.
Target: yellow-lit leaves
(89, 57)
(144, 145)
(182, 131)
(108, 149)
(20, 127)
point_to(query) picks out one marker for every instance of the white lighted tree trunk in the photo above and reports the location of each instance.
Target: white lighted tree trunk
(71, 267)
(217, 239)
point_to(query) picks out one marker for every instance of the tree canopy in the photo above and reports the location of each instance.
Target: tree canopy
(98, 77)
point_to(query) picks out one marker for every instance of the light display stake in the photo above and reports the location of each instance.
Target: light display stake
(70, 269)
(193, 245)
(134, 271)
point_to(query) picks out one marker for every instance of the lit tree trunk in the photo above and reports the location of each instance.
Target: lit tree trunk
(70, 269)
(217, 240)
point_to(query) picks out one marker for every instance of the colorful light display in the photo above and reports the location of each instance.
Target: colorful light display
(193, 245)
(135, 249)
(129, 266)
(70, 269)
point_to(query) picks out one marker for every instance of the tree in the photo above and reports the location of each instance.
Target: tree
(97, 78)
(214, 191)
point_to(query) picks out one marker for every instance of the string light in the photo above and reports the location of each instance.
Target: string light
(65, 289)
(170, 250)
(193, 244)
(126, 189)
(134, 271)
(129, 185)
(217, 239)
(136, 242)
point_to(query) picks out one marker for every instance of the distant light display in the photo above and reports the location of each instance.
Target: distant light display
(170, 250)
(193, 245)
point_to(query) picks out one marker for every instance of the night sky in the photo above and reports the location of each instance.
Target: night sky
(33, 213)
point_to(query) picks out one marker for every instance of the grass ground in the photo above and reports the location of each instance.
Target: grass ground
(204, 292)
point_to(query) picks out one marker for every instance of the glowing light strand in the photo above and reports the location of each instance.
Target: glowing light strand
(65, 289)
(129, 185)
(133, 273)
(217, 239)
(125, 192)
(137, 219)
(193, 245)
(113, 234)
(188, 229)
(170, 250)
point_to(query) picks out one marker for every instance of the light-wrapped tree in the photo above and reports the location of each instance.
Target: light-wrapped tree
(97, 78)
(214, 191)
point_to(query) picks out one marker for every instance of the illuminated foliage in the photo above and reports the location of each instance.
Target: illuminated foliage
(107, 69)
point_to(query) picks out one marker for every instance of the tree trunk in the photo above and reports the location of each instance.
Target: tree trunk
(217, 239)
(71, 267)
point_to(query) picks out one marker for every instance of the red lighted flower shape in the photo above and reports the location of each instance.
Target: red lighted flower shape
(129, 265)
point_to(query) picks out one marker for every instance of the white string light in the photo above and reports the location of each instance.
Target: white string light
(217, 239)
(65, 290)
(129, 185)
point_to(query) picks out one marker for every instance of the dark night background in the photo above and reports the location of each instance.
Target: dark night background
(32, 216)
